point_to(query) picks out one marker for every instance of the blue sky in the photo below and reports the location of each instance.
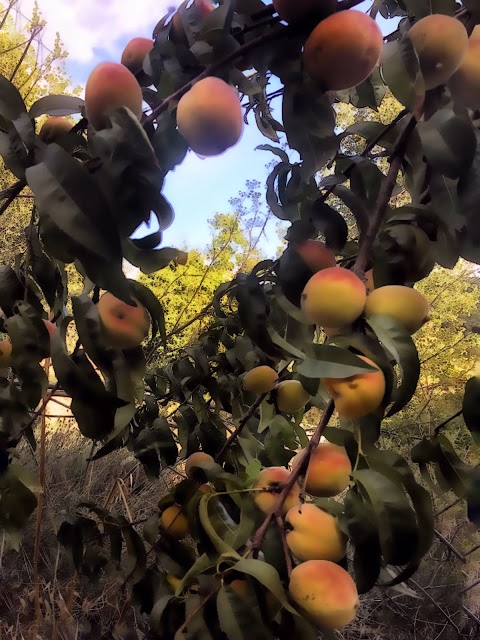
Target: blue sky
(198, 188)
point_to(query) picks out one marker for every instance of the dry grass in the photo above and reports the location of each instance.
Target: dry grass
(69, 604)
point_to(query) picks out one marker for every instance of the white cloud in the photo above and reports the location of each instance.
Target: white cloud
(85, 25)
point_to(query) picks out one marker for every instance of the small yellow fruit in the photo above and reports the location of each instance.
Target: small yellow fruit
(329, 470)
(325, 592)
(260, 380)
(111, 85)
(357, 395)
(5, 353)
(271, 478)
(315, 534)
(334, 297)
(123, 326)
(54, 128)
(291, 396)
(191, 471)
(209, 117)
(174, 522)
(408, 306)
(465, 82)
(315, 255)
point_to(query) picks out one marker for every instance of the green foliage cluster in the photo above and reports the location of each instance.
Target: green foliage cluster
(93, 188)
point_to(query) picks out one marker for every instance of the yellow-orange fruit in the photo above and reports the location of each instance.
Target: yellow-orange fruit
(329, 470)
(123, 326)
(343, 50)
(315, 254)
(260, 379)
(271, 478)
(209, 117)
(205, 488)
(135, 53)
(245, 589)
(296, 10)
(475, 35)
(5, 353)
(54, 128)
(440, 42)
(314, 534)
(325, 592)
(190, 465)
(406, 305)
(334, 297)
(174, 522)
(291, 396)
(465, 82)
(111, 85)
(358, 395)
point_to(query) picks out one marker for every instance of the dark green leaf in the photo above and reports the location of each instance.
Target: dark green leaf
(401, 71)
(449, 143)
(396, 522)
(56, 105)
(471, 406)
(399, 343)
(328, 361)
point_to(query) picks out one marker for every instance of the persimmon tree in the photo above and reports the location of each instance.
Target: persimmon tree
(231, 552)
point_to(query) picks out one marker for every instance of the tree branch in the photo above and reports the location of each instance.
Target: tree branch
(386, 191)
(445, 422)
(240, 427)
(303, 462)
(10, 194)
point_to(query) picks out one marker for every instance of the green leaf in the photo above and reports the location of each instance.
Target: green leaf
(449, 143)
(401, 72)
(360, 525)
(12, 149)
(399, 343)
(452, 468)
(154, 307)
(238, 614)
(30, 344)
(328, 361)
(275, 150)
(357, 206)
(17, 503)
(136, 554)
(267, 576)
(395, 519)
(471, 407)
(56, 105)
(267, 413)
(216, 540)
(13, 108)
(149, 261)
(329, 223)
(69, 199)
(309, 122)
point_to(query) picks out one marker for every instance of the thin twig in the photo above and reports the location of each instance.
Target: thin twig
(386, 191)
(286, 550)
(13, 193)
(297, 471)
(39, 515)
(445, 422)
(230, 441)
